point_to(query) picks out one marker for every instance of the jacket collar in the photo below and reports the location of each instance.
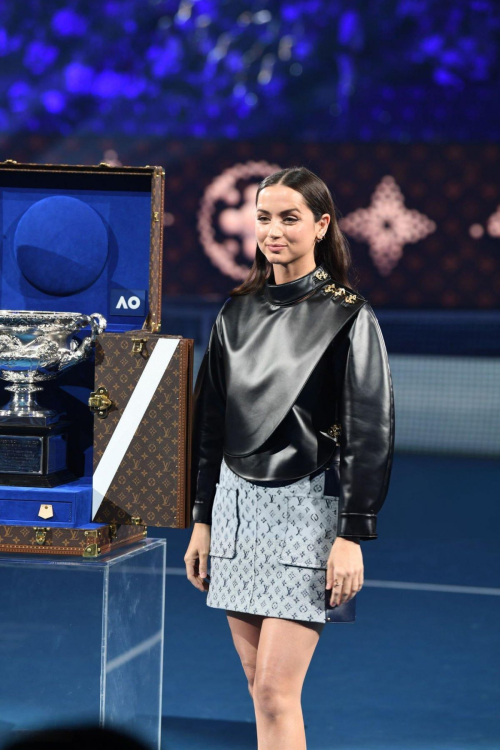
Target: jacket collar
(282, 294)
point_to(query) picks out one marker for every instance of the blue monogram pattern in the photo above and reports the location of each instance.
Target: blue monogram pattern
(224, 522)
(269, 547)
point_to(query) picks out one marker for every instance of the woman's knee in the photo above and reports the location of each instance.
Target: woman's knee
(271, 697)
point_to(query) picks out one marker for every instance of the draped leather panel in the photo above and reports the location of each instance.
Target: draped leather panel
(270, 352)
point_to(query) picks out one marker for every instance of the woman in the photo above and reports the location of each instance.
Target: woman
(293, 439)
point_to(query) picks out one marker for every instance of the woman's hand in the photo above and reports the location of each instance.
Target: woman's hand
(196, 557)
(345, 564)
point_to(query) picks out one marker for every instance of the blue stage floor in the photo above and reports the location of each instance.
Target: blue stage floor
(418, 669)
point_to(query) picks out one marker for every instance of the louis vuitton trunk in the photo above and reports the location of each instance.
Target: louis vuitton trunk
(142, 405)
(88, 239)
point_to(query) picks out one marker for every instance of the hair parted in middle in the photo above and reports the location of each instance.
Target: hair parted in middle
(333, 252)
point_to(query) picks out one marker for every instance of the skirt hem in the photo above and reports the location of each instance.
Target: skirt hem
(263, 614)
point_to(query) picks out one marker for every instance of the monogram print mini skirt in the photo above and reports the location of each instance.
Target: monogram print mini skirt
(269, 547)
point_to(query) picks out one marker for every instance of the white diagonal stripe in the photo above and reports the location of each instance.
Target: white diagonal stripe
(131, 419)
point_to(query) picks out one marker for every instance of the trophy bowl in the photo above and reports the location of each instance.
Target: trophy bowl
(36, 346)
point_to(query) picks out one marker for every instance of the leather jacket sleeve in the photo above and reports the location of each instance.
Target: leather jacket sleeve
(367, 428)
(208, 427)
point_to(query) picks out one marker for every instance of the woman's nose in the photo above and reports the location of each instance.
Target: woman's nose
(275, 231)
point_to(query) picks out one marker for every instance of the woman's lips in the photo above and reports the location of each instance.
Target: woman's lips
(276, 247)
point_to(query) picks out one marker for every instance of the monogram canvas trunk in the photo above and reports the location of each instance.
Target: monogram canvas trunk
(83, 542)
(142, 429)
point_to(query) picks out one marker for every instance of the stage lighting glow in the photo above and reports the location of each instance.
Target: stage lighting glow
(67, 22)
(53, 101)
(182, 55)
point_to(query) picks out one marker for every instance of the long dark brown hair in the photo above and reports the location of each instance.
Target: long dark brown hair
(332, 252)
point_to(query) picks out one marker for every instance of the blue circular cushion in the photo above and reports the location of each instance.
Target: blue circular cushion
(61, 245)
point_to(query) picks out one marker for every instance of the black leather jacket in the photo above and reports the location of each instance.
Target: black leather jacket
(282, 367)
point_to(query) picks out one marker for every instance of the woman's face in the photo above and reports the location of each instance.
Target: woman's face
(284, 225)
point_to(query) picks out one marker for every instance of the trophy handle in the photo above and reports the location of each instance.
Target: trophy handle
(97, 324)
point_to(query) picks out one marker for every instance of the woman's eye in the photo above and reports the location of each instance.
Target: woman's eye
(292, 219)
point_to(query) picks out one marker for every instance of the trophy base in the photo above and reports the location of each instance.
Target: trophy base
(43, 480)
(34, 456)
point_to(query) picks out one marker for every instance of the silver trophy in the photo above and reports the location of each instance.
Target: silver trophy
(35, 347)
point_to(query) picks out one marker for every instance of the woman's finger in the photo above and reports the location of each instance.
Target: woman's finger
(192, 572)
(203, 564)
(355, 585)
(336, 590)
(347, 588)
(357, 582)
(329, 574)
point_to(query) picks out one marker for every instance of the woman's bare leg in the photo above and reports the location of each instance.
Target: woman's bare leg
(275, 655)
(245, 629)
(285, 649)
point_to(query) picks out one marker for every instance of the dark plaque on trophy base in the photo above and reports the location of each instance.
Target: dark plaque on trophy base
(34, 456)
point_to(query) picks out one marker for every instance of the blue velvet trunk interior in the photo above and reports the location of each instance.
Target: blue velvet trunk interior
(67, 244)
(69, 241)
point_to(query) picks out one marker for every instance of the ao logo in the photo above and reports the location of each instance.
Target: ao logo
(128, 301)
(132, 303)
